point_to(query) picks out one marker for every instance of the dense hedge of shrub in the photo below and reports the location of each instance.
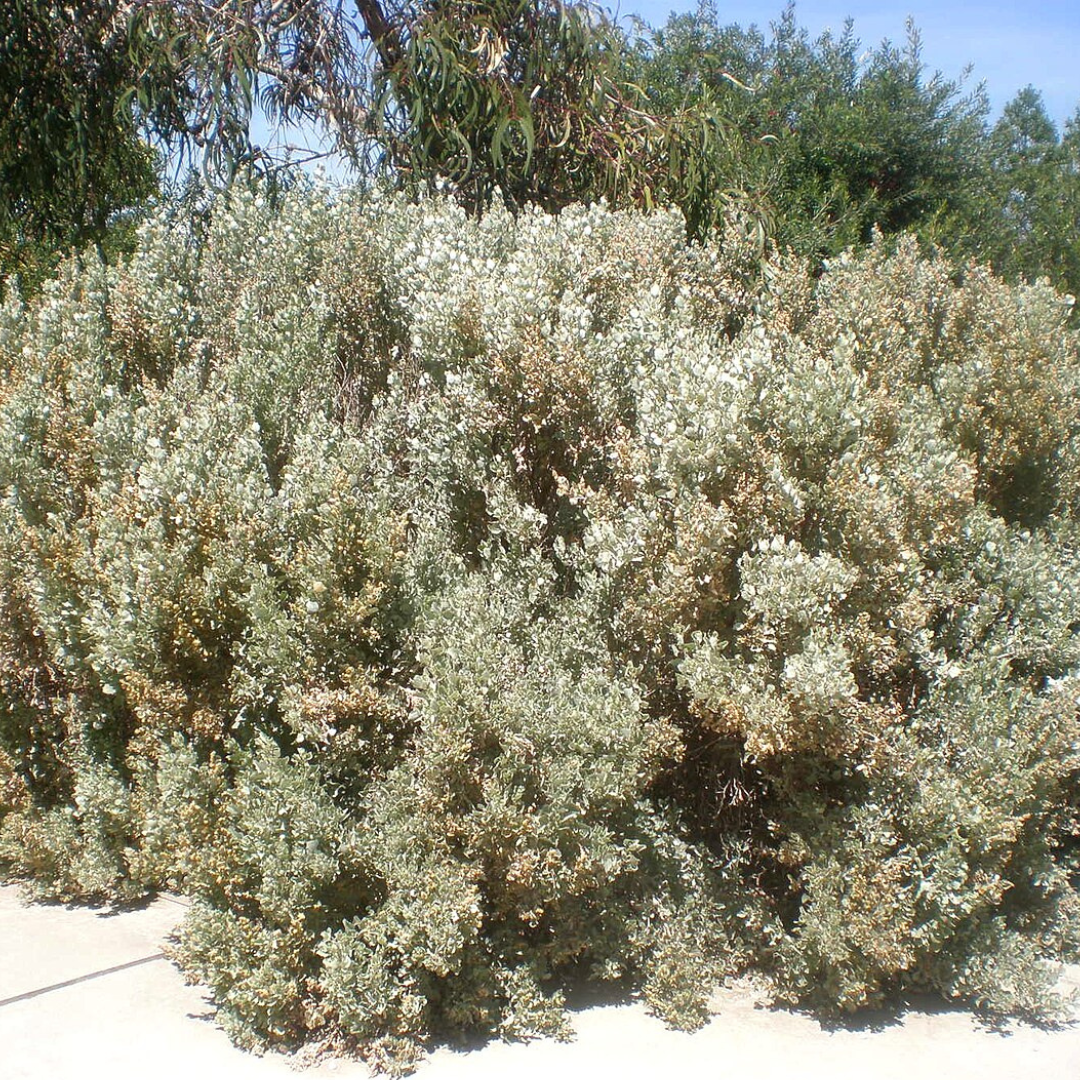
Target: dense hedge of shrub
(459, 609)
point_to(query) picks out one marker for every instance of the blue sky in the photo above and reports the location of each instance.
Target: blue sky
(1009, 44)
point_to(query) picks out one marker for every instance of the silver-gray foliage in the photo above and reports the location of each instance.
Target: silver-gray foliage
(456, 608)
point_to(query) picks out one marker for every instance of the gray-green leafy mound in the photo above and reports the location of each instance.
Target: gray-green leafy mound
(459, 609)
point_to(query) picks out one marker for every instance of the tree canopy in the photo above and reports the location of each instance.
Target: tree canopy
(844, 141)
(840, 141)
(530, 98)
(1036, 193)
(530, 101)
(70, 158)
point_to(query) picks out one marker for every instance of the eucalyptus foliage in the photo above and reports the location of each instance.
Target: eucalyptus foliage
(457, 608)
(70, 162)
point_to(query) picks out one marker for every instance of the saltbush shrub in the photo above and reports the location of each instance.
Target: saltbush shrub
(458, 609)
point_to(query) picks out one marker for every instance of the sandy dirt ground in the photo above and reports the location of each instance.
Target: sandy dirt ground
(89, 993)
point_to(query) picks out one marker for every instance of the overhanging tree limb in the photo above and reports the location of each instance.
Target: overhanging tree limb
(385, 37)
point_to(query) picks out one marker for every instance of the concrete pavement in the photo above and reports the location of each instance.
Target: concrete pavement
(87, 992)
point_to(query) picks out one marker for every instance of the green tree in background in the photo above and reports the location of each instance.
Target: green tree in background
(71, 160)
(841, 142)
(533, 99)
(838, 142)
(1036, 194)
